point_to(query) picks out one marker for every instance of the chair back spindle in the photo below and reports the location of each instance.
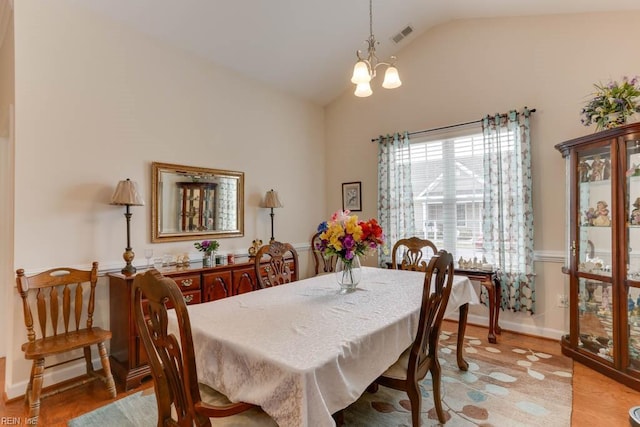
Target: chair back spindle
(322, 264)
(435, 296)
(412, 254)
(272, 264)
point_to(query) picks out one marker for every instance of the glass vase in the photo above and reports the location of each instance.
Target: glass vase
(348, 274)
(206, 259)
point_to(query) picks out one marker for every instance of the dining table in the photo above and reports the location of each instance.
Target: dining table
(304, 351)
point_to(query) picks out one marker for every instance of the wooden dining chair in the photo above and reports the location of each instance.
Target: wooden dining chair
(44, 292)
(412, 253)
(173, 363)
(422, 356)
(321, 264)
(276, 264)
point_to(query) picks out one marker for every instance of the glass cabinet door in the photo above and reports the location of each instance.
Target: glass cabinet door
(632, 225)
(196, 206)
(633, 213)
(594, 257)
(633, 320)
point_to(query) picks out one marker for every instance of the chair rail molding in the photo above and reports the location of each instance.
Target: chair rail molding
(550, 256)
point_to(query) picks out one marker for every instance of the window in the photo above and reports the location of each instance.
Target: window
(447, 178)
(447, 182)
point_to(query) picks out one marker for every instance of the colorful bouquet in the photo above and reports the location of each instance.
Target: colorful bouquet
(207, 246)
(612, 103)
(347, 238)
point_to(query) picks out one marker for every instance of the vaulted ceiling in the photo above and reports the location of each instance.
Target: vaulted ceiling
(307, 48)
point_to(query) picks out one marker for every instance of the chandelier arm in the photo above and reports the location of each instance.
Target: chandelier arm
(388, 64)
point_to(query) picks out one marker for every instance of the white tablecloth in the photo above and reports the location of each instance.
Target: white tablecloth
(302, 351)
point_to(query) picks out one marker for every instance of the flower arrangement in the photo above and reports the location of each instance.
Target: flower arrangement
(612, 103)
(207, 246)
(347, 238)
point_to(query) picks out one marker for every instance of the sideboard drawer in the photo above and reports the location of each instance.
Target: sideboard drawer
(187, 282)
(192, 297)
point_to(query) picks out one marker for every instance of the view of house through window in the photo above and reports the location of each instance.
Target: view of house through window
(447, 178)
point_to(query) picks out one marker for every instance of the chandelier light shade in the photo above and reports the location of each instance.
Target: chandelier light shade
(391, 78)
(272, 201)
(361, 73)
(127, 194)
(363, 90)
(365, 69)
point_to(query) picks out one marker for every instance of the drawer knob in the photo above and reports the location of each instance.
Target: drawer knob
(186, 283)
(188, 298)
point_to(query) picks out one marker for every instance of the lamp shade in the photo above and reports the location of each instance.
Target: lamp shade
(127, 194)
(391, 78)
(361, 73)
(271, 200)
(363, 90)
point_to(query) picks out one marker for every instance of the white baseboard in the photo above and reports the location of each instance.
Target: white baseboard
(517, 327)
(52, 376)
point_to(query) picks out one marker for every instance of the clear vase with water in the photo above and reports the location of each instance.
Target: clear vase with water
(348, 274)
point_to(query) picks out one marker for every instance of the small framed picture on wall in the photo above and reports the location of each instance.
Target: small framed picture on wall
(352, 196)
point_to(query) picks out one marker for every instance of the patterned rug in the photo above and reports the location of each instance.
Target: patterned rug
(504, 386)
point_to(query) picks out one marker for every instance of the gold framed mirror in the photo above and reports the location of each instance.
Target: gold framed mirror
(190, 203)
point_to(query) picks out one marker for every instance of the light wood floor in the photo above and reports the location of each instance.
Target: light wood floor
(597, 400)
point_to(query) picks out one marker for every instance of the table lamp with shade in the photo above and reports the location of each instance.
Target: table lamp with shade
(127, 194)
(272, 201)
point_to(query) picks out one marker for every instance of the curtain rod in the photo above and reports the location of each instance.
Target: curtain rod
(533, 110)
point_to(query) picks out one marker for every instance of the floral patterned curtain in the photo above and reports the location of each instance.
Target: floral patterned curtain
(395, 195)
(508, 209)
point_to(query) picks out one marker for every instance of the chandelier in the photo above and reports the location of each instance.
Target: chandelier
(365, 68)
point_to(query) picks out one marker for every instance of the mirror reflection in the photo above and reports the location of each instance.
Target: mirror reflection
(191, 202)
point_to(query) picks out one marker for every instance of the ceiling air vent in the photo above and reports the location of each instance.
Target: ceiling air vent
(402, 34)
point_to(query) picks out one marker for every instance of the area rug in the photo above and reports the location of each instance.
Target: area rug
(136, 410)
(504, 386)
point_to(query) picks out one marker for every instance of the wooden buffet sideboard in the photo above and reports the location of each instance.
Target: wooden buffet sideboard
(128, 358)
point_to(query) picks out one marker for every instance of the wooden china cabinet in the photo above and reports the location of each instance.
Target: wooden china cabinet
(197, 205)
(603, 184)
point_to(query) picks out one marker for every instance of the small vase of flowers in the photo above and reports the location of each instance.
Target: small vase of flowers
(208, 248)
(612, 104)
(348, 239)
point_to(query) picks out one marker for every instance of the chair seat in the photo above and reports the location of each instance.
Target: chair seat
(253, 417)
(399, 369)
(61, 343)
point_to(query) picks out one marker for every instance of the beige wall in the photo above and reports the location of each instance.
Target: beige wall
(97, 103)
(463, 70)
(6, 162)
